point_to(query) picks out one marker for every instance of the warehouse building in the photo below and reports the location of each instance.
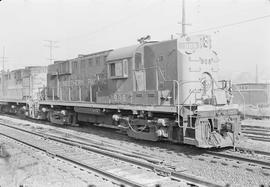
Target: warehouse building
(251, 94)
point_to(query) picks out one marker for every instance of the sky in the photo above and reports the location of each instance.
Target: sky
(87, 26)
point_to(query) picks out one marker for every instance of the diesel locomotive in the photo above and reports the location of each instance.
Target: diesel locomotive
(165, 90)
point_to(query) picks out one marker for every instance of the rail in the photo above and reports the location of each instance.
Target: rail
(231, 155)
(167, 172)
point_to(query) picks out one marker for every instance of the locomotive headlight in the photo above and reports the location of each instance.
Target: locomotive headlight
(12, 106)
(206, 82)
(43, 109)
(205, 43)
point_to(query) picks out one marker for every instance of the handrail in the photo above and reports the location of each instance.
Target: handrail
(243, 98)
(174, 90)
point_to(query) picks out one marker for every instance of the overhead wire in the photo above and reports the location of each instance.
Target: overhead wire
(91, 34)
(123, 19)
(232, 24)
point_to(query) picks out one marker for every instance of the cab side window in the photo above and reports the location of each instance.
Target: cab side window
(138, 61)
(112, 69)
(118, 69)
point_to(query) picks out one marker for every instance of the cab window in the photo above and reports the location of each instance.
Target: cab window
(138, 61)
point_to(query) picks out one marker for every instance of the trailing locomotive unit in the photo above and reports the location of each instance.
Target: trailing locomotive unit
(155, 90)
(20, 90)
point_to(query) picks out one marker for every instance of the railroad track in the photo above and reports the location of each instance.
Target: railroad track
(119, 169)
(240, 160)
(229, 154)
(252, 152)
(256, 133)
(29, 161)
(258, 138)
(226, 158)
(256, 117)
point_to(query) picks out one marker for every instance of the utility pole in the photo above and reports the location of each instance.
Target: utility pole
(183, 18)
(183, 23)
(257, 75)
(51, 45)
(4, 58)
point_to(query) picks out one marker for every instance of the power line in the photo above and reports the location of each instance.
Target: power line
(117, 22)
(51, 45)
(232, 24)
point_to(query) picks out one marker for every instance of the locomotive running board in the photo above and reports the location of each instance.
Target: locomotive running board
(153, 108)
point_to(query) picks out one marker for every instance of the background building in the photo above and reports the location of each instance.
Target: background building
(251, 94)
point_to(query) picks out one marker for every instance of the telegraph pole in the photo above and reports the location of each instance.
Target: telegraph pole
(4, 58)
(51, 45)
(183, 19)
(183, 22)
(256, 74)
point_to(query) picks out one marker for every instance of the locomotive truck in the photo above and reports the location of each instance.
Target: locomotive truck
(165, 90)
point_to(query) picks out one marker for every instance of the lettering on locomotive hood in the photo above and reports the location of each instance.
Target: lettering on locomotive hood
(73, 83)
(194, 42)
